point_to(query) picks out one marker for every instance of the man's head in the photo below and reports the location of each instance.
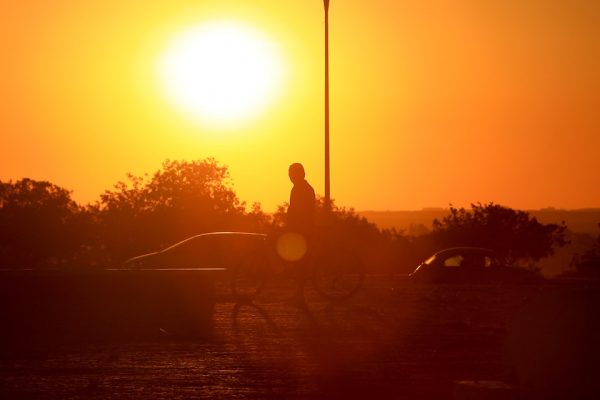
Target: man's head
(296, 173)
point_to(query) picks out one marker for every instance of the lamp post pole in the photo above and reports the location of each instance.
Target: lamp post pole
(327, 171)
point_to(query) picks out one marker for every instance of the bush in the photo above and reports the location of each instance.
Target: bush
(590, 260)
(180, 200)
(41, 225)
(514, 235)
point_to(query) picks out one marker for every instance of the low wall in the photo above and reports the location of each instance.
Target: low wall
(72, 305)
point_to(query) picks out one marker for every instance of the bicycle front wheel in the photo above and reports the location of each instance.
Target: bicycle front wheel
(338, 274)
(248, 278)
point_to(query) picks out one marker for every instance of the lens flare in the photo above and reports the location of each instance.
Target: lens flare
(291, 246)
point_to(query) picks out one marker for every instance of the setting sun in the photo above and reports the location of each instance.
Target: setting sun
(220, 72)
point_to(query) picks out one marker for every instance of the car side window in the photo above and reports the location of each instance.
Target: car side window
(454, 261)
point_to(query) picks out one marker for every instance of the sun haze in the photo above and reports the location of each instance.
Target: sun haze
(432, 102)
(220, 72)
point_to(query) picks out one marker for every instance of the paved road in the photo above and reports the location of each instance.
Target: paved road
(392, 341)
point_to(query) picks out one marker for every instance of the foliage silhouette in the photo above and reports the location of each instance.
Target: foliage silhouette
(513, 234)
(377, 248)
(181, 200)
(41, 225)
(590, 260)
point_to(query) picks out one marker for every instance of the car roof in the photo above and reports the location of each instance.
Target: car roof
(208, 235)
(462, 250)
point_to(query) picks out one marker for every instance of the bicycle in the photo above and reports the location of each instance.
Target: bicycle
(335, 271)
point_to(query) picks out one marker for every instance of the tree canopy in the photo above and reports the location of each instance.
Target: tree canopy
(181, 199)
(41, 224)
(513, 234)
(590, 260)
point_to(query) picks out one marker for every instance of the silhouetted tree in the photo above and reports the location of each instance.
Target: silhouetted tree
(514, 234)
(590, 260)
(41, 225)
(343, 223)
(178, 201)
(379, 248)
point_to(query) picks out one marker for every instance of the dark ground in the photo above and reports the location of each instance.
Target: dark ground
(394, 340)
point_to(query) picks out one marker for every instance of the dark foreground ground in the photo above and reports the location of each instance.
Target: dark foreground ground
(393, 341)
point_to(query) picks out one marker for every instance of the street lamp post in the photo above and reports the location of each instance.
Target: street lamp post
(327, 171)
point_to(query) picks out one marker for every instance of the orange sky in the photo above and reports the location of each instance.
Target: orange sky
(432, 102)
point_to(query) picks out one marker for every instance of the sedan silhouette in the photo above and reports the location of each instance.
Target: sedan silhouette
(211, 251)
(470, 265)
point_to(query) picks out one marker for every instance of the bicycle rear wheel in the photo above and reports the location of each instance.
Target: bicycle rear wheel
(338, 274)
(249, 276)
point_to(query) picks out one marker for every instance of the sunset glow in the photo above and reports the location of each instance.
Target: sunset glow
(432, 103)
(220, 72)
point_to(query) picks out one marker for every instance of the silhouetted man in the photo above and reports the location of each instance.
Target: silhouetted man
(301, 220)
(301, 212)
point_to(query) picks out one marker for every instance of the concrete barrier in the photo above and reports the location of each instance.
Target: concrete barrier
(104, 304)
(484, 390)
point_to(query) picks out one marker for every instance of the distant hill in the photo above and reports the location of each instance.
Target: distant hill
(584, 220)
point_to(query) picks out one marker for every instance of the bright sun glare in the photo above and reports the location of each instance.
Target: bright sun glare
(221, 72)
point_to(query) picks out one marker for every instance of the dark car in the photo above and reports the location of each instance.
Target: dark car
(470, 265)
(216, 250)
